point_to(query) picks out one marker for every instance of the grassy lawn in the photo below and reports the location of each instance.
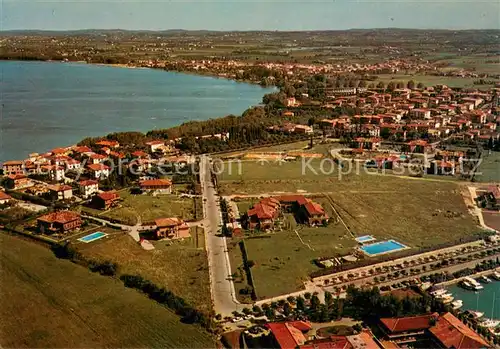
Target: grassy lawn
(417, 213)
(148, 208)
(180, 266)
(489, 168)
(283, 262)
(51, 303)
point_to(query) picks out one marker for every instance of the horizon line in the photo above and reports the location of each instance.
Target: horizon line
(244, 30)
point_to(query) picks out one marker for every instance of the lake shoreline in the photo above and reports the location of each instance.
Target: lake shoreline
(161, 104)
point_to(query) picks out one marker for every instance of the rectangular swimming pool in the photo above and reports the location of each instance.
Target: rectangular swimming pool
(365, 238)
(92, 237)
(382, 247)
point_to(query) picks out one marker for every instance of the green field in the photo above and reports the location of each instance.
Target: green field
(283, 262)
(489, 169)
(419, 212)
(148, 207)
(180, 266)
(51, 303)
(431, 80)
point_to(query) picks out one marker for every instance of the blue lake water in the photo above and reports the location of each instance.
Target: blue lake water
(47, 105)
(481, 300)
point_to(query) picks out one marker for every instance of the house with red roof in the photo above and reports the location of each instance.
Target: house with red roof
(314, 214)
(59, 222)
(163, 186)
(17, 181)
(105, 200)
(4, 198)
(171, 228)
(88, 188)
(107, 143)
(289, 335)
(99, 171)
(442, 331)
(264, 214)
(13, 167)
(451, 333)
(60, 192)
(372, 143)
(362, 340)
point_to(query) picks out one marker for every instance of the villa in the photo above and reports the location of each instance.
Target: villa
(60, 192)
(59, 222)
(171, 228)
(105, 200)
(163, 186)
(88, 188)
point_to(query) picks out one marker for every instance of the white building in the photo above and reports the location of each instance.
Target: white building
(88, 188)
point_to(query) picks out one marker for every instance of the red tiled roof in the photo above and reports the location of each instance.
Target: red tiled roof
(452, 333)
(262, 211)
(60, 217)
(139, 153)
(12, 163)
(313, 208)
(58, 188)
(88, 182)
(107, 143)
(334, 342)
(82, 149)
(58, 151)
(98, 167)
(109, 195)
(4, 196)
(16, 176)
(299, 199)
(168, 222)
(155, 183)
(287, 336)
(404, 324)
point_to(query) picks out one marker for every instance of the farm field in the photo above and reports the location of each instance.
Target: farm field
(431, 80)
(147, 208)
(51, 303)
(489, 168)
(180, 266)
(283, 262)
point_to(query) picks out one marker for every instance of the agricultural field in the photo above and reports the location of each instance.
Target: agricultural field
(431, 80)
(144, 208)
(283, 261)
(489, 169)
(51, 303)
(180, 266)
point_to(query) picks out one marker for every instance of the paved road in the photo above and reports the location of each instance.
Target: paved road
(221, 285)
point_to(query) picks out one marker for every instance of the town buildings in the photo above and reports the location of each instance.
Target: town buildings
(60, 192)
(13, 168)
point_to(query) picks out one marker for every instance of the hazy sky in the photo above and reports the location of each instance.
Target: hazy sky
(249, 14)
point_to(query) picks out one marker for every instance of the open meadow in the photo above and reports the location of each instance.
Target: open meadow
(180, 266)
(418, 212)
(283, 261)
(52, 303)
(147, 208)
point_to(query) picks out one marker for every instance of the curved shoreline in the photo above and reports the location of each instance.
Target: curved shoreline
(148, 128)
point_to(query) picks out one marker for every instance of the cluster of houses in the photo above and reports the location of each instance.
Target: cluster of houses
(265, 214)
(423, 331)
